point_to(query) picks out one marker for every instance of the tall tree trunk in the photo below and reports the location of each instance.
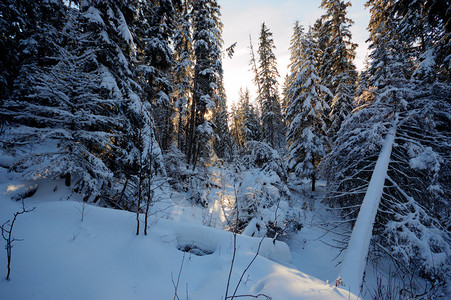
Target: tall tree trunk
(140, 176)
(137, 210)
(313, 174)
(149, 199)
(313, 182)
(192, 128)
(179, 132)
(196, 156)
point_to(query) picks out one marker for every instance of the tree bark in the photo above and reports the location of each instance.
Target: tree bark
(8, 250)
(313, 174)
(313, 182)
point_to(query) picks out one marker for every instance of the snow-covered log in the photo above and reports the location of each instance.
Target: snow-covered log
(354, 262)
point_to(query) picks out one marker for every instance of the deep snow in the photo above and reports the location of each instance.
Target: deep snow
(61, 257)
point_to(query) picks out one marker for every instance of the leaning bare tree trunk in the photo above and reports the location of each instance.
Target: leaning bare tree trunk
(354, 262)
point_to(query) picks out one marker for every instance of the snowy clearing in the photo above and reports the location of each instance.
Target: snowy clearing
(61, 257)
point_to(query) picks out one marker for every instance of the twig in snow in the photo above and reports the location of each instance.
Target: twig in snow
(176, 285)
(7, 235)
(248, 266)
(234, 242)
(251, 296)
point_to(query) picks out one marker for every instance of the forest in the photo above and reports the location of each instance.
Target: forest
(121, 105)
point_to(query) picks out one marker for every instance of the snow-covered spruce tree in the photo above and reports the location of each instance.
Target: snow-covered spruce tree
(182, 73)
(411, 225)
(268, 94)
(110, 42)
(263, 198)
(428, 22)
(67, 103)
(306, 113)
(153, 28)
(245, 123)
(426, 26)
(142, 76)
(29, 31)
(16, 27)
(335, 65)
(222, 142)
(236, 120)
(38, 108)
(207, 72)
(182, 77)
(296, 54)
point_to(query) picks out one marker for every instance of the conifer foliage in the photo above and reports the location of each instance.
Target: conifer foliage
(153, 28)
(336, 67)
(207, 30)
(59, 125)
(307, 109)
(245, 123)
(411, 224)
(77, 109)
(268, 93)
(182, 73)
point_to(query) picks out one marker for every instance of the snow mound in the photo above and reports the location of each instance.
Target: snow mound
(201, 240)
(61, 257)
(296, 286)
(196, 240)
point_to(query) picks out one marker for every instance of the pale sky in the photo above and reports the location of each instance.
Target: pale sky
(244, 17)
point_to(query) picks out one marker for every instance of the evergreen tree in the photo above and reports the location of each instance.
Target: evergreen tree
(295, 66)
(79, 101)
(223, 140)
(306, 114)
(71, 121)
(245, 123)
(335, 64)
(27, 43)
(268, 94)
(251, 121)
(255, 70)
(136, 151)
(388, 58)
(153, 28)
(428, 22)
(182, 73)
(113, 27)
(29, 32)
(412, 218)
(207, 73)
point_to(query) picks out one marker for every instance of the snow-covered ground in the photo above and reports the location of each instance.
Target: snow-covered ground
(61, 257)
